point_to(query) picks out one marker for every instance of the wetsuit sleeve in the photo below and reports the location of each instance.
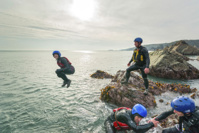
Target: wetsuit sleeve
(146, 54)
(139, 128)
(164, 115)
(66, 64)
(130, 61)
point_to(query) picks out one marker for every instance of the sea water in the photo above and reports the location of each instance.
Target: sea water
(33, 101)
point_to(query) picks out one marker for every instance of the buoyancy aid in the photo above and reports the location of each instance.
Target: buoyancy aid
(190, 122)
(138, 55)
(60, 64)
(119, 125)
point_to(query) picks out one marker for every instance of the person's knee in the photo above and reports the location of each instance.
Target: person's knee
(128, 70)
(57, 72)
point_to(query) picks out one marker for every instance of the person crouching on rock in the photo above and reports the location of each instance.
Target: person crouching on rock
(188, 114)
(126, 119)
(142, 61)
(65, 68)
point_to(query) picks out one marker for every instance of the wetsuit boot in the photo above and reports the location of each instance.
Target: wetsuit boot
(125, 79)
(68, 83)
(64, 83)
(65, 80)
(146, 91)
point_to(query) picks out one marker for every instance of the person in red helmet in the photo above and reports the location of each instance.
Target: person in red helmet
(65, 68)
(142, 62)
(188, 114)
(128, 119)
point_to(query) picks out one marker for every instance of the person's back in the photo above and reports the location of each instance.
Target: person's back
(123, 116)
(64, 63)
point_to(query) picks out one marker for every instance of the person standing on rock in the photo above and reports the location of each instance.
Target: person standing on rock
(65, 68)
(142, 62)
(188, 114)
(126, 119)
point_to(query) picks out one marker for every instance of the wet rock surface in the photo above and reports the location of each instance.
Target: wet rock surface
(132, 93)
(195, 95)
(171, 65)
(161, 100)
(101, 75)
(127, 95)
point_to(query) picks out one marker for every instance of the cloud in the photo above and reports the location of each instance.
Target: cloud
(114, 25)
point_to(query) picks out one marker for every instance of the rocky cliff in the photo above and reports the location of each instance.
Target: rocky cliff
(184, 48)
(170, 64)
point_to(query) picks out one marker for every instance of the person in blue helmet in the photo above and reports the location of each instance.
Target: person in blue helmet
(128, 119)
(142, 62)
(188, 114)
(65, 68)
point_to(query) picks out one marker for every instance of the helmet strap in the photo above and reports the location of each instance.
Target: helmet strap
(187, 114)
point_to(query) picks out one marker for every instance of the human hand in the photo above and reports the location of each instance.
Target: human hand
(128, 64)
(146, 70)
(151, 120)
(154, 122)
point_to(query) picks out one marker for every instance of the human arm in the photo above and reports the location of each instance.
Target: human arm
(139, 128)
(164, 115)
(146, 55)
(66, 64)
(129, 62)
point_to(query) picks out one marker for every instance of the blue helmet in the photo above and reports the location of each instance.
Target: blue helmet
(140, 110)
(138, 40)
(183, 104)
(57, 52)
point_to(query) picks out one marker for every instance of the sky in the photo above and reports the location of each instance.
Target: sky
(95, 24)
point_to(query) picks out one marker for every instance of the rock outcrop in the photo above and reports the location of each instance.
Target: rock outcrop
(171, 65)
(101, 75)
(195, 95)
(183, 48)
(132, 93)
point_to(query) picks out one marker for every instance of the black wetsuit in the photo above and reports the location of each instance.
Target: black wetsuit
(187, 124)
(140, 64)
(67, 69)
(125, 116)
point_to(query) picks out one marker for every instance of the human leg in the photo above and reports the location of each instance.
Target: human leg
(128, 71)
(146, 82)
